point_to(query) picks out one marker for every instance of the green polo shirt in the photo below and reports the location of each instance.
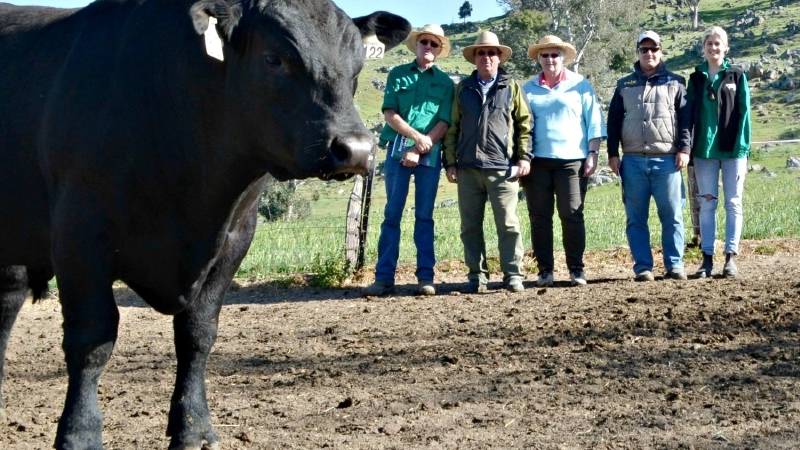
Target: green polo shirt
(422, 98)
(706, 142)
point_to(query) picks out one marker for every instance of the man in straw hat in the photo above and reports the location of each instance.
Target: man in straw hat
(650, 117)
(416, 107)
(486, 149)
(568, 129)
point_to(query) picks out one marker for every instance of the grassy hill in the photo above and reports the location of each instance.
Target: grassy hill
(748, 45)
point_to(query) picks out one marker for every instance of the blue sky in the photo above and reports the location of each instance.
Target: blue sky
(418, 12)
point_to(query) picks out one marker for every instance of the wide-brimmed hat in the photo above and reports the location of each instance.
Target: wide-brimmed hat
(486, 39)
(433, 30)
(551, 41)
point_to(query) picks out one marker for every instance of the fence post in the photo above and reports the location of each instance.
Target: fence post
(358, 217)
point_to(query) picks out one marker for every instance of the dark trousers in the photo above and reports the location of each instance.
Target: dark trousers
(556, 182)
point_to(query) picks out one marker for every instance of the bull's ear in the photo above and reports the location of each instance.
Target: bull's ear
(226, 12)
(390, 29)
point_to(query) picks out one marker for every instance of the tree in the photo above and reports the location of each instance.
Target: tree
(280, 201)
(599, 30)
(694, 7)
(465, 11)
(520, 29)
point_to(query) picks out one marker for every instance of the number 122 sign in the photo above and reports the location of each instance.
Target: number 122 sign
(373, 48)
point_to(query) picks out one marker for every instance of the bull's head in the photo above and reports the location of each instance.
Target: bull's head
(292, 67)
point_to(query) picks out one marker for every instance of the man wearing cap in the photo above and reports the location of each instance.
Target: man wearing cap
(416, 107)
(486, 149)
(650, 117)
(567, 131)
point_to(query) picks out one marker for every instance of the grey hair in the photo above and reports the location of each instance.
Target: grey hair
(716, 31)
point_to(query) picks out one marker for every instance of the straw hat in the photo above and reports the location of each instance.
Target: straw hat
(487, 39)
(433, 30)
(551, 41)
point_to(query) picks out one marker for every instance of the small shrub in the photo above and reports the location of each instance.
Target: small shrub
(765, 250)
(328, 272)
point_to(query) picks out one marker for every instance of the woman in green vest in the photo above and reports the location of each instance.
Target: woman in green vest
(721, 144)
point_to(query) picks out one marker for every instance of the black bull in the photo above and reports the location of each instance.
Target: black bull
(127, 153)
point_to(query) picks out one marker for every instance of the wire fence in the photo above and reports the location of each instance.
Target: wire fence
(772, 209)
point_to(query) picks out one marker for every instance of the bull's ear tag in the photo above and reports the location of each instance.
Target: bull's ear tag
(373, 48)
(213, 41)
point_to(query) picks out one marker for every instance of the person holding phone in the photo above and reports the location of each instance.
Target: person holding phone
(416, 107)
(485, 150)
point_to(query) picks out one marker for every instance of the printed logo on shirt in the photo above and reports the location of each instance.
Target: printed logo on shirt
(730, 86)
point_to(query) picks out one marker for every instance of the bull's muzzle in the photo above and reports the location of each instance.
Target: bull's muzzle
(351, 155)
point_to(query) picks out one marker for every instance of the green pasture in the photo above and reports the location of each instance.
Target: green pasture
(772, 198)
(772, 209)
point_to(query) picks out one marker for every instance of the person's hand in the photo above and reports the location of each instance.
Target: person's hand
(681, 160)
(410, 159)
(613, 163)
(423, 144)
(524, 167)
(452, 174)
(591, 165)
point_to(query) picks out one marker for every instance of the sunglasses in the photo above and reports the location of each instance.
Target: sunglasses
(487, 53)
(549, 55)
(644, 50)
(430, 42)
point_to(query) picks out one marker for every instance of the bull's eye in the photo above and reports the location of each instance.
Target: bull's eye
(272, 59)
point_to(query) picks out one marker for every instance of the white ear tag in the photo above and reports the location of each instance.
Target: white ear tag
(213, 41)
(373, 48)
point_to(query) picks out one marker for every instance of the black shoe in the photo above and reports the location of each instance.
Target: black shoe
(730, 270)
(477, 287)
(577, 278)
(704, 271)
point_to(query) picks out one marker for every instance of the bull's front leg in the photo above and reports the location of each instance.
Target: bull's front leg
(82, 258)
(90, 331)
(195, 332)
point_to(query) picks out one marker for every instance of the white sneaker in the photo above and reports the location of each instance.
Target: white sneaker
(577, 278)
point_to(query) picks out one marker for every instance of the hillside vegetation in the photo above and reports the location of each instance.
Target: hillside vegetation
(765, 33)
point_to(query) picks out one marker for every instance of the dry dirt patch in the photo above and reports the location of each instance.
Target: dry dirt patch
(703, 363)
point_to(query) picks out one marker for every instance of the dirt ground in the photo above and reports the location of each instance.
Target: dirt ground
(698, 364)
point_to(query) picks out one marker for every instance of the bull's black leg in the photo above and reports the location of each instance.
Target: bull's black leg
(195, 332)
(82, 265)
(13, 286)
(90, 331)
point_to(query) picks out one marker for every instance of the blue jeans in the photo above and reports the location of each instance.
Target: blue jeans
(397, 180)
(653, 176)
(707, 173)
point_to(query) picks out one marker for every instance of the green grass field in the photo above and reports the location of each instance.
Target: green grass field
(772, 203)
(772, 209)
